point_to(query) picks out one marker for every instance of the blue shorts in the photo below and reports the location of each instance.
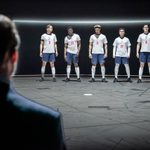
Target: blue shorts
(97, 58)
(72, 58)
(144, 57)
(48, 57)
(123, 60)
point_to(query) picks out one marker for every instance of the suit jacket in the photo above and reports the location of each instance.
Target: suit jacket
(27, 125)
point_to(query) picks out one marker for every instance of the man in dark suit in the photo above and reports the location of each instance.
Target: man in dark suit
(24, 124)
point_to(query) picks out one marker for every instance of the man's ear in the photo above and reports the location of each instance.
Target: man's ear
(14, 56)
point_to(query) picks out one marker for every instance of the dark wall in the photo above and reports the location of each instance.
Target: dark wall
(30, 62)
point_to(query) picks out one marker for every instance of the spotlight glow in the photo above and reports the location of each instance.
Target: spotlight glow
(88, 94)
(82, 22)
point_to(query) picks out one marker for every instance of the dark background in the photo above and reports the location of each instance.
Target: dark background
(30, 62)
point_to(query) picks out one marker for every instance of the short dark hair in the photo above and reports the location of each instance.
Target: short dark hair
(69, 27)
(97, 26)
(146, 25)
(122, 29)
(48, 26)
(9, 37)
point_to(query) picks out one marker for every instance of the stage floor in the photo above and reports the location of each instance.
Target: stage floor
(96, 116)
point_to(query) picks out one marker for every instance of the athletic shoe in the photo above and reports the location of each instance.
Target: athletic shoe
(67, 79)
(92, 80)
(115, 80)
(104, 80)
(129, 80)
(139, 81)
(54, 79)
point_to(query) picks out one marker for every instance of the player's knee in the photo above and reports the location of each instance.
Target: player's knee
(52, 64)
(68, 64)
(117, 65)
(43, 64)
(93, 65)
(141, 65)
(76, 65)
(149, 64)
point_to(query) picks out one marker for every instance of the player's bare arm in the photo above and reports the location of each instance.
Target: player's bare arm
(79, 47)
(129, 51)
(41, 47)
(106, 50)
(65, 50)
(114, 51)
(138, 49)
(90, 49)
(56, 50)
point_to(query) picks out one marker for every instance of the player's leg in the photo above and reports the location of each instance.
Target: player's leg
(69, 62)
(142, 63)
(116, 70)
(44, 62)
(148, 61)
(125, 61)
(52, 65)
(77, 69)
(102, 65)
(93, 68)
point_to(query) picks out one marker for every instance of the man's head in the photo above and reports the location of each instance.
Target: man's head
(97, 29)
(70, 30)
(121, 32)
(146, 28)
(9, 44)
(49, 29)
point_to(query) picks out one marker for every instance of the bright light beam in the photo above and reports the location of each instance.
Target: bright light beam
(82, 22)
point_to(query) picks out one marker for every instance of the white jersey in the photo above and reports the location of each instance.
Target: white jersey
(144, 40)
(72, 42)
(98, 43)
(49, 42)
(121, 46)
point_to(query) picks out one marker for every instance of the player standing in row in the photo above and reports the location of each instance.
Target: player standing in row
(72, 46)
(98, 52)
(143, 50)
(121, 53)
(48, 51)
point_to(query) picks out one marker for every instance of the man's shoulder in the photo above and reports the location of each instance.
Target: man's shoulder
(29, 106)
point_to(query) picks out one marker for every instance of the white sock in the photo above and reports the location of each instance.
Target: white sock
(116, 70)
(127, 70)
(93, 71)
(53, 71)
(103, 71)
(68, 71)
(77, 70)
(140, 72)
(42, 71)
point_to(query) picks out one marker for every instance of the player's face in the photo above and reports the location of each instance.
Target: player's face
(49, 29)
(121, 33)
(97, 30)
(145, 28)
(70, 31)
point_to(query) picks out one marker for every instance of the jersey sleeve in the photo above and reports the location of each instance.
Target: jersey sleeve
(129, 43)
(115, 43)
(91, 39)
(139, 39)
(78, 38)
(55, 38)
(42, 37)
(65, 40)
(105, 40)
